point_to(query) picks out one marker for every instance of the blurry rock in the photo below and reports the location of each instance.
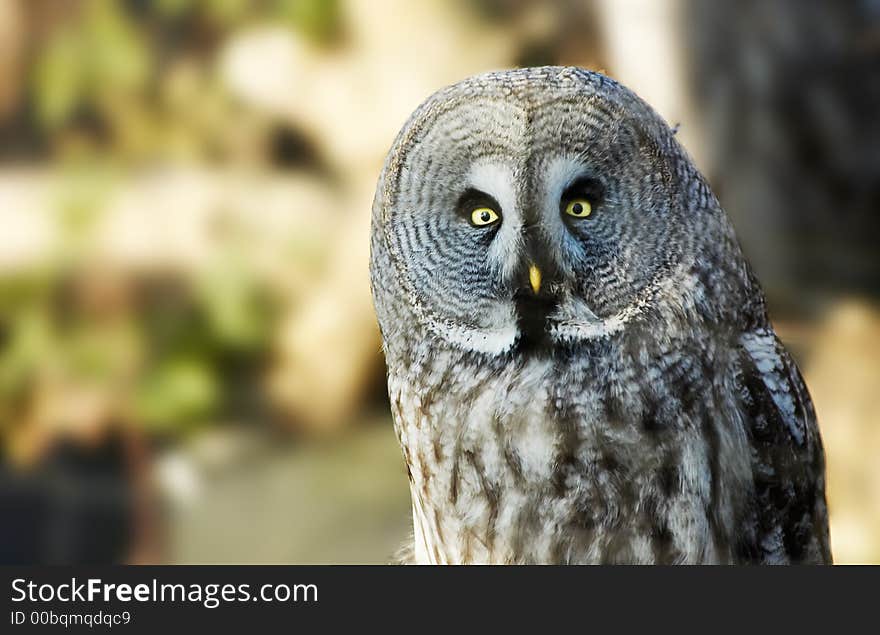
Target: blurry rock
(843, 373)
(11, 48)
(28, 232)
(354, 98)
(184, 219)
(328, 348)
(177, 219)
(268, 67)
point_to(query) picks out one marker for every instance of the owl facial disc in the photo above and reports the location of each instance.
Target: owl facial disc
(528, 214)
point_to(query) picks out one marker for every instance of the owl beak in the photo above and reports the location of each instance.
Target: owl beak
(535, 278)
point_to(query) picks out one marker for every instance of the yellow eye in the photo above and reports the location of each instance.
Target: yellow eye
(578, 207)
(483, 216)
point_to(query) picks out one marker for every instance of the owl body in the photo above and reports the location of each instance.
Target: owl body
(580, 365)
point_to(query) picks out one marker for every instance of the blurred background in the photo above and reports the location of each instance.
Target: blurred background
(189, 365)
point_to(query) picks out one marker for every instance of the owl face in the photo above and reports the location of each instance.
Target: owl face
(532, 210)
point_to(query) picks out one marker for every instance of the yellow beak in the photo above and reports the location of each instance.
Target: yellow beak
(535, 278)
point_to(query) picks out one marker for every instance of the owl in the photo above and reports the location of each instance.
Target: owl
(580, 364)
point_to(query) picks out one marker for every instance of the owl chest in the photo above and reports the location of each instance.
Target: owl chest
(517, 468)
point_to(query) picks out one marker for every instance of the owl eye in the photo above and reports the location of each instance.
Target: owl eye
(483, 216)
(581, 198)
(579, 208)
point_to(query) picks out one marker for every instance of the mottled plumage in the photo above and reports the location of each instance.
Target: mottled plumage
(635, 405)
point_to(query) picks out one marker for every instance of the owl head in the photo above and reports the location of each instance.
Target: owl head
(537, 208)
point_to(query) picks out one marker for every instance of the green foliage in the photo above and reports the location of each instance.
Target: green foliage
(28, 341)
(236, 309)
(108, 84)
(176, 392)
(100, 56)
(318, 19)
(113, 73)
(25, 331)
(183, 349)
